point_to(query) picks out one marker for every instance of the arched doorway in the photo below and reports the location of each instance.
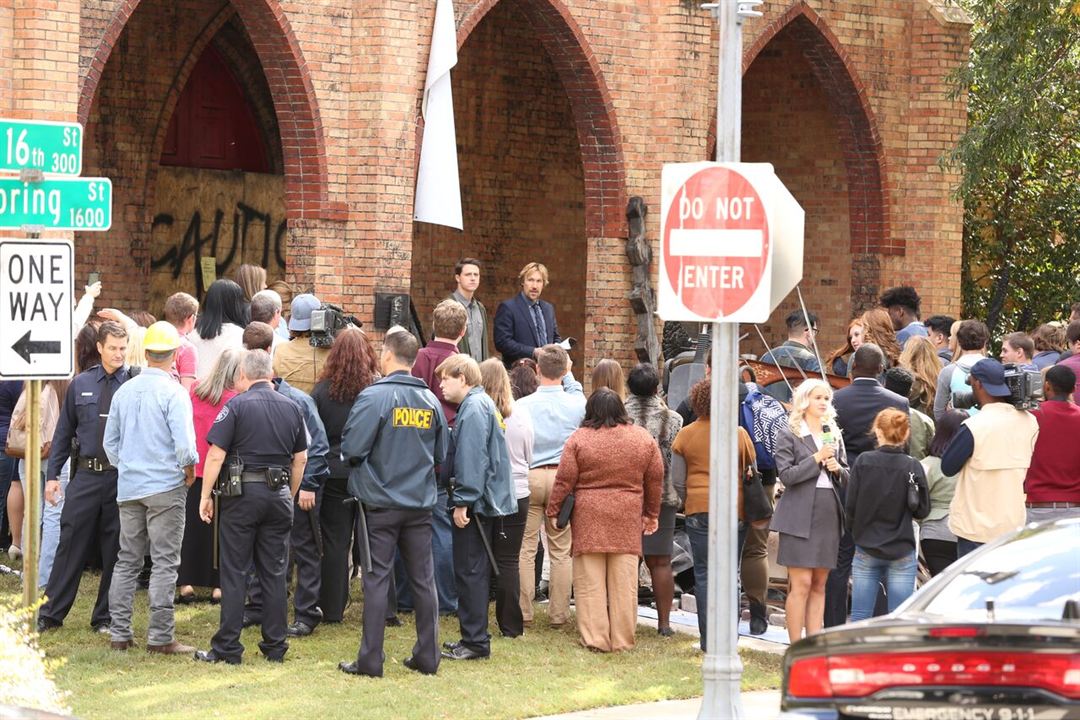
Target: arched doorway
(804, 112)
(540, 166)
(242, 61)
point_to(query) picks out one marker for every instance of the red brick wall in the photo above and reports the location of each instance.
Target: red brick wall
(521, 177)
(787, 121)
(635, 83)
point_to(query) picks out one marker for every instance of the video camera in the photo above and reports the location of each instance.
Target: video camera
(1025, 390)
(1025, 387)
(327, 322)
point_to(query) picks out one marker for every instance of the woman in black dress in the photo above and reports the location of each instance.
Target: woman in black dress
(350, 367)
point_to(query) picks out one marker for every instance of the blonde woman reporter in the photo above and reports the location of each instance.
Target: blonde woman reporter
(811, 464)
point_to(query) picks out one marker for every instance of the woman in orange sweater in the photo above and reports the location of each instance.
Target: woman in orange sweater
(615, 472)
(690, 475)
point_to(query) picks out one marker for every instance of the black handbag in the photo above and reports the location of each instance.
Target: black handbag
(756, 503)
(564, 512)
(912, 493)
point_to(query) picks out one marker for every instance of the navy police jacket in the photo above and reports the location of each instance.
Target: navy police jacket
(395, 436)
(481, 460)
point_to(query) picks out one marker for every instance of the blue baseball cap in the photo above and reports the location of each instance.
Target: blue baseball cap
(991, 374)
(302, 307)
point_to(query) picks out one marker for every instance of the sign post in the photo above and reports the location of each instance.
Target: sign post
(731, 248)
(37, 279)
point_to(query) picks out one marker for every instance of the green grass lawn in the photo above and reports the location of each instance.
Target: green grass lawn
(545, 672)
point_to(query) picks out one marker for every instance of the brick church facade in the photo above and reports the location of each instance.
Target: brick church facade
(287, 133)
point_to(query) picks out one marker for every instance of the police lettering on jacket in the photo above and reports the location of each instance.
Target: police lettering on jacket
(419, 418)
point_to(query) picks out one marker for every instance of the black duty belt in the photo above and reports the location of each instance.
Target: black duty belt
(93, 464)
(264, 477)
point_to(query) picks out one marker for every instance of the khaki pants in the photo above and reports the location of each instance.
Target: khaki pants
(540, 482)
(605, 596)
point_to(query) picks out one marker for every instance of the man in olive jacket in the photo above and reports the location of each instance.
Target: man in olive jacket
(482, 491)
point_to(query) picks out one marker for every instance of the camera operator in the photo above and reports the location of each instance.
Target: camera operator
(1052, 484)
(990, 455)
(298, 361)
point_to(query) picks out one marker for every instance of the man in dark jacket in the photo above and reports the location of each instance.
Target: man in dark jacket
(525, 322)
(395, 436)
(481, 492)
(856, 407)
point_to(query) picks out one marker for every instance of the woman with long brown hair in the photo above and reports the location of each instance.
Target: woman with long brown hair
(609, 374)
(878, 329)
(920, 358)
(836, 362)
(350, 367)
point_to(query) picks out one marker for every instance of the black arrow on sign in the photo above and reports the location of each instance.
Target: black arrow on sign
(25, 347)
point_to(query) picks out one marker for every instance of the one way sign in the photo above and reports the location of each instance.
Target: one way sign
(36, 304)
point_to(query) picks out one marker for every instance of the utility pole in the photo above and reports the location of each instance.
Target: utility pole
(722, 669)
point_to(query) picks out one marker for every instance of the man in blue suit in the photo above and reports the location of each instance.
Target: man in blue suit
(525, 322)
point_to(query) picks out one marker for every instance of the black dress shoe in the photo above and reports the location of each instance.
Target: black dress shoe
(299, 629)
(250, 621)
(185, 599)
(463, 653)
(351, 668)
(451, 644)
(394, 621)
(274, 658)
(665, 632)
(209, 656)
(102, 628)
(45, 624)
(410, 662)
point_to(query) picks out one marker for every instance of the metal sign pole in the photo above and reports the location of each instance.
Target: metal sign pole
(32, 493)
(722, 669)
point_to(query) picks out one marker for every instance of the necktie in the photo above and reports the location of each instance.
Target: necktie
(538, 317)
(104, 402)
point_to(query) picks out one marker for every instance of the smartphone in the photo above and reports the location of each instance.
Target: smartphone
(94, 277)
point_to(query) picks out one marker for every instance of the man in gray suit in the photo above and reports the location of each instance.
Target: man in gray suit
(475, 341)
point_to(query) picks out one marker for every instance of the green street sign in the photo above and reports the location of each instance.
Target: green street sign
(51, 147)
(57, 204)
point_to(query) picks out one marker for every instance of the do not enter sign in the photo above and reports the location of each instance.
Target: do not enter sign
(724, 227)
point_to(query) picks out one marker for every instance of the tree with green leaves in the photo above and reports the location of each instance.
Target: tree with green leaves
(1020, 160)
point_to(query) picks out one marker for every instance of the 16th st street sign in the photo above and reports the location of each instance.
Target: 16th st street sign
(51, 147)
(57, 204)
(36, 299)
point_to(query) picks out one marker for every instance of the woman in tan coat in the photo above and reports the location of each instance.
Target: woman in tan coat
(615, 472)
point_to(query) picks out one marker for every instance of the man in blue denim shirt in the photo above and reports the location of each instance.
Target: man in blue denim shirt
(150, 438)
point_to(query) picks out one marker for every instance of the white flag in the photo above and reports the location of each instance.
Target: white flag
(438, 193)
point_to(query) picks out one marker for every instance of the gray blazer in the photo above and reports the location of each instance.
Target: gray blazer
(798, 471)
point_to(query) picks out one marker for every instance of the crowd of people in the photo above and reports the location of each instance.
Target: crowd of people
(219, 451)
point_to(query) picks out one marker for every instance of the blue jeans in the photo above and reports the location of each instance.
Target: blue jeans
(697, 530)
(442, 552)
(868, 572)
(965, 546)
(50, 529)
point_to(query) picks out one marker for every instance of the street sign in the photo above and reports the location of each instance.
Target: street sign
(731, 242)
(36, 303)
(54, 148)
(57, 204)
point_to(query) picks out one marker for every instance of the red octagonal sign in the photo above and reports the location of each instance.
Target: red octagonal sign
(715, 242)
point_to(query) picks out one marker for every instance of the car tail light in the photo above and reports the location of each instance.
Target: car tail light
(863, 674)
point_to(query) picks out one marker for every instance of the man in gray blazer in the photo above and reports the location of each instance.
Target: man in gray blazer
(475, 341)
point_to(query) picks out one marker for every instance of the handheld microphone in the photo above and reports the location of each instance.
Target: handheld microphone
(826, 435)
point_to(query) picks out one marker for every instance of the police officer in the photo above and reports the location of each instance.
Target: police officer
(305, 541)
(259, 439)
(394, 437)
(90, 517)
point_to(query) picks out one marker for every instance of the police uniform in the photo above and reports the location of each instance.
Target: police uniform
(90, 517)
(264, 429)
(305, 541)
(395, 435)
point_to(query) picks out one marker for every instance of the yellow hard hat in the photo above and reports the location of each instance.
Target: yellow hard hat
(161, 337)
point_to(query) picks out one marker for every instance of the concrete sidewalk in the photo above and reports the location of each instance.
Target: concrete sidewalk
(763, 705)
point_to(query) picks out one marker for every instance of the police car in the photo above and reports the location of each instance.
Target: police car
(994, 637)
